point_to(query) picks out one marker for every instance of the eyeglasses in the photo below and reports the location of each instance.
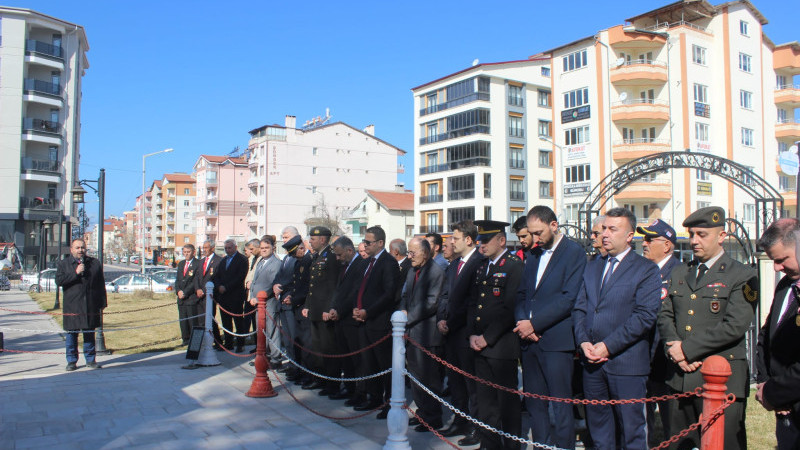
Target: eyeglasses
(366, 242)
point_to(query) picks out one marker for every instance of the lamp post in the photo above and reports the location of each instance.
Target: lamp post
(141, 216)
(560, 172)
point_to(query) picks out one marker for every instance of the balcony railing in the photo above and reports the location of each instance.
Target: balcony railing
(431, 198)
(45, 87)
(516, 132)
(49, 204)
(638, 141)
(211, 212)
(41, 125)
(34, 46)
(517, 195)
(787, 86)
(516, 163)
(40, 165)
(425, 229)
(455, 102)
(475, 129)
(515, 101)
(458, 164)
(461, 195)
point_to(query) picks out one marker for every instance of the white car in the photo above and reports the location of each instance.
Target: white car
(38, 282)
(137, 282)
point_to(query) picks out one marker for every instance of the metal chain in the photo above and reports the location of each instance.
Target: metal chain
(713, 417)
(695, 393)
(48, 313)
(476, 421)
(23, 330)
(430, 428)
(240, 355)
(235, 334)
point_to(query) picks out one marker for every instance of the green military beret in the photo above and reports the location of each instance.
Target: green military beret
(320, 231)
(709, 217)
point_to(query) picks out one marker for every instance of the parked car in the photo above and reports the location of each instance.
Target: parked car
(137, 282)
(5, 284)
(40, 281)
(135, 259)
(123, 259)
(166, 276)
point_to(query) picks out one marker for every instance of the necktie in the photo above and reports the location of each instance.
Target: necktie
(460, 265)
(228, 264)
(611, 263)
(359, 302)
(792, 306)
(489, 267)
(701, 270)
(208, 262)
(185, 267)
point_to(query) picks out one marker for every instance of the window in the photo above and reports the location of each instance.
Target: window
(746, 99)
(433, 190)
(545, 128)
(185, 227)
(780, 81)
(515, 128)
(702, 175)
(461, 187)
(186, 215)
(744, 62)
(458, 214)
(649, 134)
(432, 221)
(545, 158)
(701, 205)
(578, 135)
(743, 28)
(574, 61)
(700, 93)
(572, 212)
(747, 176)
(747, 137)
(546, 189)
(314, 151)
(544, 99)
(749, 212)
(699, 55)
(546, 72)
(515, 94)
(517, 188)
(577, 174)
(515, 214)
(487, 213)
(631, 208)
(701, 131)
(487, 185)
(186, 239)
(516, 160)
(787, 183)
(576, 97)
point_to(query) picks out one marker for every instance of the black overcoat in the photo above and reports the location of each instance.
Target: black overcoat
(84, 294)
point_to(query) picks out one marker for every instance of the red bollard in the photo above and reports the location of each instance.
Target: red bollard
(261, 386)
(715, 370)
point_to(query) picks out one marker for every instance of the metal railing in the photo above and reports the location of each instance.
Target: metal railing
(641, 141)
(43, 48)
(40, 165)
(51, 204)
(516, 163)
(424, 229)
(475, 96)
(783, 120)
(474, 129)
(787, 86)
(517, 195)
(640, 101)
(461, 195)
(431, 198)
(45, 87)
(643, 61)
(41, 125)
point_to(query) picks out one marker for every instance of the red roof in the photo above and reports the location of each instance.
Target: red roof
(222, 159)
(394, 201)
(178, 178)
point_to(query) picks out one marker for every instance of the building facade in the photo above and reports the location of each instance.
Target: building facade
(391, 210)
(178, 205)
(221, 199)
(42, 62)
(687, 76)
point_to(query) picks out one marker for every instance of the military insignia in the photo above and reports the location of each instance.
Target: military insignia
(750, 294)
(722, 267)
(716, 285)
(211, 272)
(325, 253)
(499, 275)
(502, 263)
(714, 306)
(797, 320)
(664, 293)
(191, 273)
(496, 291)
(715, 217)
(301, 269)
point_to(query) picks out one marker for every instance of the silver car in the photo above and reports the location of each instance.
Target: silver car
(137, 282)
(40, 281)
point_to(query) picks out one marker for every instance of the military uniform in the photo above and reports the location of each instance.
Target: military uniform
(296, 326)
(710, 317)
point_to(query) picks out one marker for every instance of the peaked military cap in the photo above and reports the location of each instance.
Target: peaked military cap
(487, 229)
(291, 245)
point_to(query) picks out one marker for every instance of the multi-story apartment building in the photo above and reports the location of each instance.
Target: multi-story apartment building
(178, 197)
(299, 176)
(42, 62)
(689, 75)
(144, 210)
(157, 227)
(221, 199)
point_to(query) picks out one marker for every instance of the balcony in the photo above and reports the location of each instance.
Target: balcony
(41, 126)
(252, 200)
(519, 196)
(211, 229)
(646, 190)
(617, 35)
(640, 111)
(458, 164)
(40, 165)
(39, 203)
(252, 182)
(639, 72)
(252, 219)
(475, 129)
(516, 163)
(211, 212)
(475, 96)
(212, 181)
(630, 149)
(461, 195)
(32, 85)
(425, 229)
(43, 48)
(430, 199)
(171, 219)
(787, 128)
(787, 58)
(788, 96)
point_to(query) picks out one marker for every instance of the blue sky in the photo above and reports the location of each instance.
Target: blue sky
(197, 76)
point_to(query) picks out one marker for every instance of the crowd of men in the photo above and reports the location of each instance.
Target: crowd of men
(613, 325)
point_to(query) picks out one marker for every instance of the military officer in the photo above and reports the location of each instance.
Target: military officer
(293, 298)
(708, 310)
(490, 316)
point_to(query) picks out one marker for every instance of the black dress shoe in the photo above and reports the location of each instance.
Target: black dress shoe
(313, 384)
(384, 413)
(93, 365)
(413, 422)
(340, 395)
(354, 400)
(324, 392)
(239, 349)
(367, 406)
(456, 429)
(470, 439)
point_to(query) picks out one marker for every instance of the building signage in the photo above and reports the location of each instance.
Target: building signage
(576, 152)
(702, 109)
(579, 113)
(703, 188)
(703, 146)
(572, 190)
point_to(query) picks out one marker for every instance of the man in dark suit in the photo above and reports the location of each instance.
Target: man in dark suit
(207, 272)
(344, 300)
(187, 297)
(283, 281)
(293, 298)
(231, 294)
(491, 323)
(546, 297)
(423, 285)
(264, 272)
(708, 310)
(454, 327)
(375, 302)
(658, 246)
(524, 237)
(399, 251)
(778, 360)
(614, 313)
(81, 278)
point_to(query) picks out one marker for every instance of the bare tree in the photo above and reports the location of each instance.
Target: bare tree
(320, 215)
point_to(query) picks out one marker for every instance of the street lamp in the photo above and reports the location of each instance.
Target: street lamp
(141, 215)
(560, 172)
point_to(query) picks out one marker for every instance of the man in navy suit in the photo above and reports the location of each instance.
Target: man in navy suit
(614, 314)
(545, 299)
(231, 294)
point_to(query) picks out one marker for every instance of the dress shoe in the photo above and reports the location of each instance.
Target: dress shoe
(184, 342)
(355, 400)
(284, 368)
(456, 429)
(413, 422)
(239, 349)
(422, 428)
(470, 439)
(313, 384)
(93, 365)
(292, 375)
(367, 406)
(340, 395)
(71, 367)
(383, 413)
(325, 392)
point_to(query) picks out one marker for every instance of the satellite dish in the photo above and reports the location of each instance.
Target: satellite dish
(619, 62)
(475, 62)
(793, 149)
(623, 96)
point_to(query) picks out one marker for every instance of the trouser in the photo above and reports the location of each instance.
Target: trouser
(347, 342)
(303, 339)
(185, 311)
(288, 324)
(462, 390)
(228, 322)
(499, 409)
(323, 340)
(686, 411)
(603, 420)
(376, 359)
(88, 346)
(655, 389)
(250, 321)
(431, 374)
(549, 374)
(271, 330)
(787, 432)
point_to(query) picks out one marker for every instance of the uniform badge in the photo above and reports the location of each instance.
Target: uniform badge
(716, 285)
(714, 307)
(211, 272)
(191, 273)
(499, 275)
(797, 320)
(502, 262)
(750, 294)
(301, 269)
(664, 293)
(496, 292)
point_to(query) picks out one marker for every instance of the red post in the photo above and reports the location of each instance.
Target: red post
(715, 370)
(261, 386)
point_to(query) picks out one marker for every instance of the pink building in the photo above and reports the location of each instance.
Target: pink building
(222, 199)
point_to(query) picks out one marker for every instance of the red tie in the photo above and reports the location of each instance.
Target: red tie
(359, 303)
(205, 267)
(460, 265)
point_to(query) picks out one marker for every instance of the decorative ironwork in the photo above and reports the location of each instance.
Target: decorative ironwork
(738, 233)
(578, 235)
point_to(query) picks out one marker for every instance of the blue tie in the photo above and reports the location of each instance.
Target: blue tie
(228, 264)
(611, 263)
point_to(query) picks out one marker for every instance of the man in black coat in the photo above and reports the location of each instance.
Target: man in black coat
(293, 299)
(81, 278)
(231, 293)
(399, 251)
(375, 302)
(778, 360)
(423, 286)
(207, 270)
(188, 303)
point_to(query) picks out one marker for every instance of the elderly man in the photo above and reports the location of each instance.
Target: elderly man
(597, 238)
(81, 278)
(208, 269)
(293, 298)
(231, 294)
(263, 280)
(188, 303)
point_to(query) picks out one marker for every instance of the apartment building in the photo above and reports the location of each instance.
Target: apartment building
(392, 210)
(304, 176)
(690, 75)
(176, 226)
(42, 62)
(221, 199)
(144, 231)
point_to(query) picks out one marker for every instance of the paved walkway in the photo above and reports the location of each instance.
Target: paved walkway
(147, 401)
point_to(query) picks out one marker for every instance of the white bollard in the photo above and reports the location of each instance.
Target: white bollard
(397, 420)
(208, 357)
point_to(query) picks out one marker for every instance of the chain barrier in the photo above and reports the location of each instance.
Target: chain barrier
(704, 423)
(234, 314)
(34, 352)
(476, 421)
(149, 344)
(574, 401)
(325, 355)
(235, 334)
(240, 355)
(291, 394)
(104, 330)
(48, 313)
(430, 428)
